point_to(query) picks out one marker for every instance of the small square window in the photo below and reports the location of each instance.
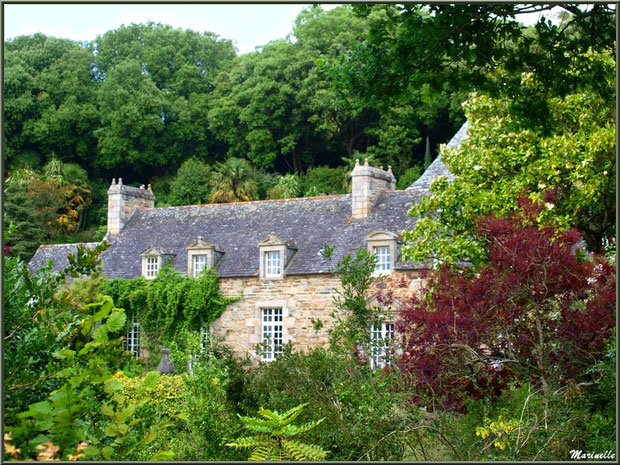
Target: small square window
(199, 264)
(151, 267)
(380, 338)
(273, 264)
(271, 331)
(384, 258)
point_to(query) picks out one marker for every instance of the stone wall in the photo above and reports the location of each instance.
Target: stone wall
(302, 299)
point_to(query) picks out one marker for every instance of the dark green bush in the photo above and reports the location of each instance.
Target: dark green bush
(364, 410)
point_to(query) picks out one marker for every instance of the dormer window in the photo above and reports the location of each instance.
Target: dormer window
(272, 264)
(200, 263)
(152, 267)
(153, 260)
(383, 245)
(275, 253)
(383, 256)
(202, 255)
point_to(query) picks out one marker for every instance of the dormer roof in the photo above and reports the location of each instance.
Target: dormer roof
(201, 244)
(157, 251)
(274, 239)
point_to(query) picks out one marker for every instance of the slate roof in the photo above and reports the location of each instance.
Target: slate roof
(438, 167)
(237, 229)
(56, 252)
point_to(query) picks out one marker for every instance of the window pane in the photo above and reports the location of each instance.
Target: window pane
(271, 332)
(381, 337)
(152, 267)
(384, 259)
(272, 264)
(131, 343)
(200, 262)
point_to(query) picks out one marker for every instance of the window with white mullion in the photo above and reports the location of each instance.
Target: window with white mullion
(131, 343)
(380, 338)
(200, 262)
(273, 264)
(384, 258)
(152, 267)
(204, 338)
(271, 329)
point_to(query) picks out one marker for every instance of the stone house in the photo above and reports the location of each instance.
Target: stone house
(268, 252)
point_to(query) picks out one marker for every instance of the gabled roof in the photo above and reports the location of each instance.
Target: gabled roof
(58, 253)
(239, 227)
(438, 167)
(307, 223)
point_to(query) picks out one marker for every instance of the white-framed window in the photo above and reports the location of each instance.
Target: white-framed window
(271, 332)
(273, 264)
(204, 338)
(199, 264)
(131, 343)
(151, 267)
(381, 337)
(384, 259)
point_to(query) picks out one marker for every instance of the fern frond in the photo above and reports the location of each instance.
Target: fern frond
(245, 443)
(302, 451)
(258, 422)
(293, 413)
(260, 454)
(293, 430)
(270, 414)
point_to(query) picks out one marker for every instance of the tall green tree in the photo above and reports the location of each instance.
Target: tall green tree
(155, 91)
(191, 183)
(50, 98)
(567, 163)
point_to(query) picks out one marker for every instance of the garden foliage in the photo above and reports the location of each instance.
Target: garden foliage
(540, 311)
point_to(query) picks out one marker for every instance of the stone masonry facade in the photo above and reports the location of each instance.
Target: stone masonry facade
(303, 299)
(269, 253)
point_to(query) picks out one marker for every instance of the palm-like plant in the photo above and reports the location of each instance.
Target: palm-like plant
(233, 181)
(273, 439)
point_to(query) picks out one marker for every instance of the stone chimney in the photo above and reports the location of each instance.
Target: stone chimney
(367, 184)
(123, 201)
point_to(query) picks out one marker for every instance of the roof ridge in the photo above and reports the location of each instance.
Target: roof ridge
(250, 202)
(67, 244)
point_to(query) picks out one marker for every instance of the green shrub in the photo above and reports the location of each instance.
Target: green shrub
(190, 185)
(365, 411)
(325, 180)
(409, 177)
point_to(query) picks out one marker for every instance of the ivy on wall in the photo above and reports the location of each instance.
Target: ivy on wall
(169, 303)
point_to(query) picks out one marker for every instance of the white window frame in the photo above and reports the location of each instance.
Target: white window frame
(383, 254)
(148, 260)
(381, 338)
(273, 263)
(272, 332)
(131, 341)
(196, 269)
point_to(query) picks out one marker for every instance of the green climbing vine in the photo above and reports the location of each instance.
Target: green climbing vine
(170, 303)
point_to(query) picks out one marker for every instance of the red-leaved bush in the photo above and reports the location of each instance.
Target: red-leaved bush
(539, 311)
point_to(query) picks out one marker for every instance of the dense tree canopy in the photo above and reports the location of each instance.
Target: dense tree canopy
(567, 160)
(375, 81)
